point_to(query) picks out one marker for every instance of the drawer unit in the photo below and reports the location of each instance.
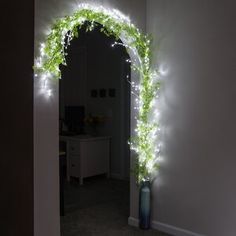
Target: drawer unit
(74, 148)
(74, 166)
(87, 156)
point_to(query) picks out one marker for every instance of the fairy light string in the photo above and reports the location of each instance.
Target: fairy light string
(52, 53)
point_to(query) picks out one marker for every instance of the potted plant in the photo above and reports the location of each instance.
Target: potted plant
(93, 121)
(145, 168)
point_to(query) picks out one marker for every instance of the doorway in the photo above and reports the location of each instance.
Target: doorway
(94, 114)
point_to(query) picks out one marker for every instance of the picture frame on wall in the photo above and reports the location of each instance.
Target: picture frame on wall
(112, 92)
(94, 93)
(102, 93)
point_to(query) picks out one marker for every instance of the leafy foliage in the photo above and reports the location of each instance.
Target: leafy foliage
(53, 53)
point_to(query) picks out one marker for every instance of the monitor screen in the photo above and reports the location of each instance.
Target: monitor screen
(74, 118)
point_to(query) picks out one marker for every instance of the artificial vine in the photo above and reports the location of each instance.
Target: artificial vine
(53, 54)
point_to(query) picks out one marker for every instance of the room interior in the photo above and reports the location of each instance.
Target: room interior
(194, 45)
(94, 95)
(94, 120)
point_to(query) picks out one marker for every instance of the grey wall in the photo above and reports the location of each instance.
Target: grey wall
(16, 95)
(46, 202)
(195, 41)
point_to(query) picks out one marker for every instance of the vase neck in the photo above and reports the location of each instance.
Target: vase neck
(146, 183)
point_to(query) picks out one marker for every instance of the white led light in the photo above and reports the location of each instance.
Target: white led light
(146, 113)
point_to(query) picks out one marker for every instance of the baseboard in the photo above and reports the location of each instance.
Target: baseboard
(133, 221)
(165, 228)
(172, 230)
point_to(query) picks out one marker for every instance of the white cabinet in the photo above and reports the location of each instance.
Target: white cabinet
(87, 156)
(73, 168)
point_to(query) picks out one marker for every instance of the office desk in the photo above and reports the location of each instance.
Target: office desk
(87, 156)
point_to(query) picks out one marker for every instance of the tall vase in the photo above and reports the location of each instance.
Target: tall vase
(145, 205)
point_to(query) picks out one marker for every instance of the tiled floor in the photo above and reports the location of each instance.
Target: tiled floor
(99, 208)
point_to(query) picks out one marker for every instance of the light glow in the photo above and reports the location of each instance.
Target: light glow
(52, 53)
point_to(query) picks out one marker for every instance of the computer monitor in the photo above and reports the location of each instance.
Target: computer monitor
(74, 118)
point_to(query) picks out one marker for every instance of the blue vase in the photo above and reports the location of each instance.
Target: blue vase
(144, 205)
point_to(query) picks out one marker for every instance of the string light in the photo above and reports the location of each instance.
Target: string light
(53, 52)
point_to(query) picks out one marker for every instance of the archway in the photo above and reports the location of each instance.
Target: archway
(93, 68)
(52, 54)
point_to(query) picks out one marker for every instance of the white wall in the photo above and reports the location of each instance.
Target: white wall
(195, 189)
(46, 182)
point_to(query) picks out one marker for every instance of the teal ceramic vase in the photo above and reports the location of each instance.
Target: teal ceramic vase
(145, 205)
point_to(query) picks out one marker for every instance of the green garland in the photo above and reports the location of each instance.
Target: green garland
(53, 53)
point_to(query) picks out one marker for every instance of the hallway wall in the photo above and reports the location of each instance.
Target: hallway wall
(16, 96)
(194, 41)
(46, 115)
